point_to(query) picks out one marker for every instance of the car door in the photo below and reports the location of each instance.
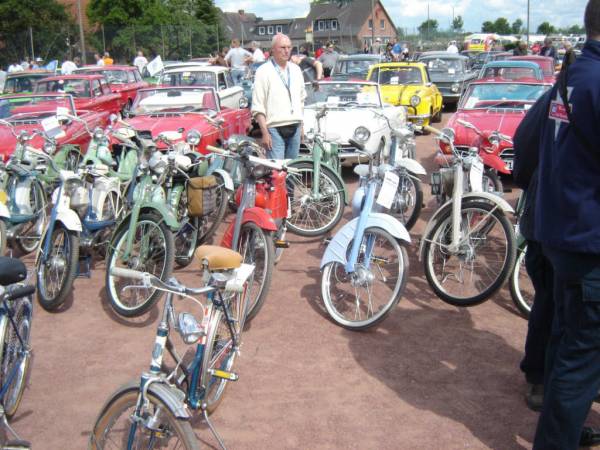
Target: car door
(229, 93)
(112, 102)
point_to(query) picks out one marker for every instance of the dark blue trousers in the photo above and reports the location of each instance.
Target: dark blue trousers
(572, 377)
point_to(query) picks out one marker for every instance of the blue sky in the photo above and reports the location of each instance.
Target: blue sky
(411, 13)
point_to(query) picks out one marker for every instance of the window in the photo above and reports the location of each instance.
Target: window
(279, 28)
(130, 76)
(382, 24)
(321, 25)
(138, 77)
(229, 79)
(96, 88)
(370, 24)
(270, 29)
(334, 24)
(222, 84)
(261, 30)
(105, 87)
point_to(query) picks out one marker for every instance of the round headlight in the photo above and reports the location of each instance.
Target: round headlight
(415, 100)
(362, 134)
(49, 148)
(243, 102)
(455, 87)
(193, 137)
(98, 133)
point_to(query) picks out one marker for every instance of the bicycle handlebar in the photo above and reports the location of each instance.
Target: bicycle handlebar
(253, 159)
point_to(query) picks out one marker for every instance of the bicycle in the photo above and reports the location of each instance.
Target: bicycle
(522, 291)
(155, 410)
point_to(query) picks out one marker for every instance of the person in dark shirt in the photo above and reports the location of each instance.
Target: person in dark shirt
(548, 49)
(311, 68)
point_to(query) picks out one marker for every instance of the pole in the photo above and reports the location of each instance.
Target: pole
(81, 35)
(190, 41)
(162, 36)
(103, 39)
(31, 36)
(372, 22)
(218, 49)
(427, 20)
(527, 23)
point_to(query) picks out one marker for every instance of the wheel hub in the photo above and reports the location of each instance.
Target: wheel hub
(57, 263)
(362, 276)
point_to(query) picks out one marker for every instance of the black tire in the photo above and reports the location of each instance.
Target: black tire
(408, 200)
(29, 234)
(3, 237)
(210, 223)
(55, 276)
(440, 235)
(160, 264)
(72, 160)
(521, 287)
(301, 203)
(186, 238)
(437, 117)
(491, 182)
(256, 246)
(114, 423)
(16, 357)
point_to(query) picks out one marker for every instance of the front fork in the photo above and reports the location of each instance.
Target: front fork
(457, 194)
(360, 229)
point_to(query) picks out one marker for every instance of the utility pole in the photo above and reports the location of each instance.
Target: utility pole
(527, 23)
(427, 20)
(32, 51)
(372, 22)
(81, 36)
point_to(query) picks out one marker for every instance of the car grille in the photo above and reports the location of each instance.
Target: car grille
(25, 122)
(508, 153)
(145, 134)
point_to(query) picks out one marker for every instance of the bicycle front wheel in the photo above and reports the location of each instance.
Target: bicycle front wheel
(186, 238)
(408, 200)
(483, 260)
(29, 233)
(521, 287)
(362, 299)
(157, 428)
(313, 214)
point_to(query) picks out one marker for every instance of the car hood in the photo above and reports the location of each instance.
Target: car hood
(156, 125)
(339, 125)
(504, 122)
(8, 142)
(400, 94)
(444, 77)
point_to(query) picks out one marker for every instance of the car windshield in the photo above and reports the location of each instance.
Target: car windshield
(509, 73)
(449, 65)
(25, 83)
(188, 78)
(396, 75)
(112, 76)
(353, 67)
(342, 95)
(76, 87)
(502, 95)
(154, 101)
(34, 106)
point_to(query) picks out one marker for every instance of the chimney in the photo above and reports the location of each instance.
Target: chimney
(241, 12)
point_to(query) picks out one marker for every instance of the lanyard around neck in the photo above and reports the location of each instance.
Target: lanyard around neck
(289, 80)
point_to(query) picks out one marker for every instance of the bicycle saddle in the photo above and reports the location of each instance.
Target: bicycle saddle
(218, 258)
(12, 270)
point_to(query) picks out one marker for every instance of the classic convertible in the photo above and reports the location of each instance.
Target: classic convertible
(185, 109)
(408, 84)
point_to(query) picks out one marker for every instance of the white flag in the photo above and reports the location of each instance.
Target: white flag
(155, 66)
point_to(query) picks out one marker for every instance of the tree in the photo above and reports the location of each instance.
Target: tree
(428, 27)
(457, 24)
(545, 28)
(501, 26)
(487, 27)
(516, 26)
(575, 29)
(207, 12)
(116, 12)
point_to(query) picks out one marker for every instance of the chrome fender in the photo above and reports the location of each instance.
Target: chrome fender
(412, 166)
(495, 199)
(226, 178)
(338, 247)
(69, 219)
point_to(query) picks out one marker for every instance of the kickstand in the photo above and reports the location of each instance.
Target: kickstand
(213, 430)
(8, 427)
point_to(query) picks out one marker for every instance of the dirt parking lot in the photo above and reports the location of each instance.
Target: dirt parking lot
(430, 376)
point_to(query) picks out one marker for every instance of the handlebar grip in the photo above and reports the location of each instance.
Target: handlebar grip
(266, 162)
(129, 273)
(20, 292)
(217, 150)
(432, 130)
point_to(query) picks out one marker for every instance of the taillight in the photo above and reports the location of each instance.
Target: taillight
(445, 148)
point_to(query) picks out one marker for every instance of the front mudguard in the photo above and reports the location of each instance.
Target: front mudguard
(337, 249)
(433, 221)
(227, 180)
(495, 162)
(336, 175)
(159, 209)
(412, 166)
(70, 219)
(256, 215)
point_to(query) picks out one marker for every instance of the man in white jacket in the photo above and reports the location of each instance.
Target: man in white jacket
(278, 101)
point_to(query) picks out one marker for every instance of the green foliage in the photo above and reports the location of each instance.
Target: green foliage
(545, 28)
(517, 26)
(457, 23)
(115, 12)
(429, 27)
(575, 29)
(501, 26)
(487, 27)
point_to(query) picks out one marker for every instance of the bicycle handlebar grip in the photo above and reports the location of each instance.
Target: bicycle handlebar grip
(266, 162)
(129, 273)
(216, 150)
(20, 292)
(432, 130)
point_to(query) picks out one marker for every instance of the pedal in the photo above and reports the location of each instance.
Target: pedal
(231, 376)
(282, 244)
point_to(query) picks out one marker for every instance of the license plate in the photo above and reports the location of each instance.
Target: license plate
(509, 164)
(388, 190)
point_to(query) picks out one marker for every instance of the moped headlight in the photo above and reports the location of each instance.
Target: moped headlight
(189, 328)
(455, 87)
(193, 137)
(415, 100)
(98, 133)
(49, 148)
(362, 134)
(243, 103)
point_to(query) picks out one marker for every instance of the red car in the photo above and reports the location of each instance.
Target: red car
(184, 109)
(545, 62)
(494, 104)
(90, 92)
(123, 80)
(27, 111)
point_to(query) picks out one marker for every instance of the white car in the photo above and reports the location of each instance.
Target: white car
(354, 110)
(216, 77)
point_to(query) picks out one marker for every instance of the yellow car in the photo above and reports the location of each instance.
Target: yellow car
(408, 84)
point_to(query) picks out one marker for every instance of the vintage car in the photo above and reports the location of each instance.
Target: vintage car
(354, 67)
(495, 104)
(449, 72)
(511, 70)
(89, 92)
(486, 57)
(23, 82)
(546, 63)
(123, 80)
(354, 111)
(28, 112)
(183, 109)
(408, 84)
(216, 77)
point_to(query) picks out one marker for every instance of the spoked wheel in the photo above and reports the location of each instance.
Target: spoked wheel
(111, 210)
(362, 299)
(313, 214)
(56, 272)
(408, 200)
(218, 355)
(186, 237)
(16, 356)
(152, 251)
(256, 247)
(209, 223)
(521, 287)
(155, 427)
(28, 234)
(483, 260)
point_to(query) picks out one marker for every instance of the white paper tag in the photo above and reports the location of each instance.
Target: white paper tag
(333, 100)
(451, 71)
(61, 111)
(476, 176)
(388, 190)
(394, 80)
(52, 127)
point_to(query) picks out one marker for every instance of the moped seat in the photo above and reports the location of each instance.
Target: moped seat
(12, 270)
(218, 258)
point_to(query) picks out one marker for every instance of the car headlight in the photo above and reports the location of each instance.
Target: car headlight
(98, 133)
(415, 100)
(455, 87)
(193, 137)
(362, 134)
(243, 103)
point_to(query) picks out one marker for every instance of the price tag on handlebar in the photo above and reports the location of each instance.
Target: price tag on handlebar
(388, 190)
(476, 176)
